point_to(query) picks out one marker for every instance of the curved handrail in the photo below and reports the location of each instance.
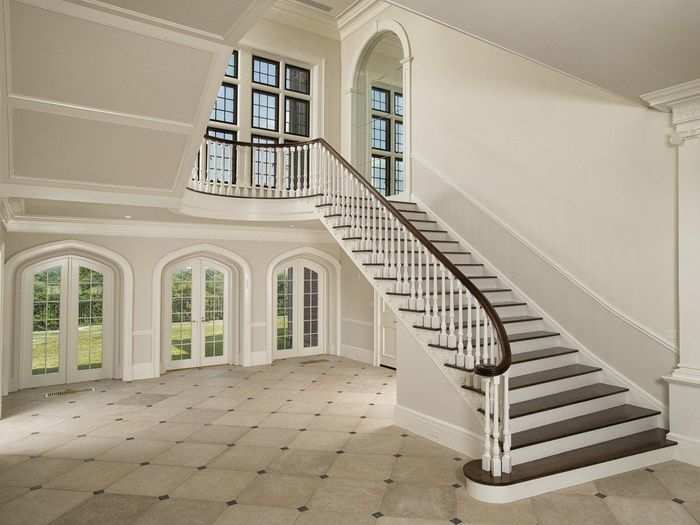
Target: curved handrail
(489, 370)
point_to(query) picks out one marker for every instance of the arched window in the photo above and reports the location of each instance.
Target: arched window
(300, 309)
(67, 321)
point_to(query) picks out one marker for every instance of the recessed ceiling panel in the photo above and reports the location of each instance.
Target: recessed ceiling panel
(61, 58)
(48, 146)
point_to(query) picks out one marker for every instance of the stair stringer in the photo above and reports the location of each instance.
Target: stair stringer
(438, 357)
(636, 395)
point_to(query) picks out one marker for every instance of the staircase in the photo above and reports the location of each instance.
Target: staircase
(550, 417)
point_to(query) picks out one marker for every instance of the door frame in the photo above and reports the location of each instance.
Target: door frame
(68, 312)
(298, 350)
(230, 312)
(377, 329)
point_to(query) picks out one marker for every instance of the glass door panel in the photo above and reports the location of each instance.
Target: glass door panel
(213, 315)
(181, 324)
(90, 319)
(46, 322)
(311, 308)
(284, 318)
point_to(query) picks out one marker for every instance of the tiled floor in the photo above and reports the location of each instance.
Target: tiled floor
(292, 443)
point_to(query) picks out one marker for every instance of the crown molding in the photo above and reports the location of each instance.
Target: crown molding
(300, 16)
(17, 101)
(163, 230)
(683, 102)
(358, 14)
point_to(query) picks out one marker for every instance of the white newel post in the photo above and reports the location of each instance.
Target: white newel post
(683, 102)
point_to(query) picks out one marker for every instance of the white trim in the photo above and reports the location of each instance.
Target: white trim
(76, 192)
(528, 489)
(2, 327)
(69, 247)
(270, 300)
(663, 99)
(668, 345)
(361, 322)
(302, 16)
(171, 230)
(138, 333)
(244, 308)
(356, 353)
(688, 449)
(258, 359)
(639, 394)
(16, 101)
(442, 432)
(142, 371)
(357, 15)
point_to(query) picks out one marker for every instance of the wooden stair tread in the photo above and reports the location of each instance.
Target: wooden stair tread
(577, 425)
(364, 250)
(410, 219)
(379, 278)
(482, 290)
(504, 320)
(553, 374)
(641, 442)
(502, 304)
(563, 399)
(542, 353)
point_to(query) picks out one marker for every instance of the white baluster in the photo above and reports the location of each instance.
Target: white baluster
(406, 264)
(435, 323)
(412, 288)
(486, 456)
(496, 444)
(506, 463)
(427, 319)
(460, 361)
(452, 336)
(469, 361)
(385, 241)
(443, 311)
(399, 262)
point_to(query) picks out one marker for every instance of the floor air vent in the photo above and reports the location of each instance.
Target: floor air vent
(67, 392)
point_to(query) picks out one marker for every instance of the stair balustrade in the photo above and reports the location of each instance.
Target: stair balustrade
(354, 211)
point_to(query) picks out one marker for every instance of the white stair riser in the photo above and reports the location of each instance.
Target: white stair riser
(557, 446)
(538, 365)
(510, 311)
(557, 414)
(469, 271)
(552, 387)
(535, 344)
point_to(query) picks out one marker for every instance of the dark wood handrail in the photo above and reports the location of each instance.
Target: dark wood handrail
(489, 370)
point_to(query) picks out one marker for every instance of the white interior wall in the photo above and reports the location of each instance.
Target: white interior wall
(582, 175)
(357, 313)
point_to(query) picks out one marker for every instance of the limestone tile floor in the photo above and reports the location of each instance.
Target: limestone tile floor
(291, 443)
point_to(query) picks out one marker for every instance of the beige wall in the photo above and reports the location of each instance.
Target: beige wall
(583, 176)
(357, 312)
(144, 254)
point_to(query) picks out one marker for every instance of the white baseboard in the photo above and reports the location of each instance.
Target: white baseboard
(257, 359)
(142, 371)
(442, 432)
(688, 449)
(364, 355)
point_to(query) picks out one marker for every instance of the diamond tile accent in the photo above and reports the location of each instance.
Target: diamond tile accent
(303, 508)
(600, 495)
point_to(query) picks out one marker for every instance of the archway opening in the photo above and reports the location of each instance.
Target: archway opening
(380, 115)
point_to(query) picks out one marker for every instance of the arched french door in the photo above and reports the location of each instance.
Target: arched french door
(67, 322)
(198, 299)
(300, 309)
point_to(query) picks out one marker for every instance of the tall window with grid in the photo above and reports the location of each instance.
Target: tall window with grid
(386, 139)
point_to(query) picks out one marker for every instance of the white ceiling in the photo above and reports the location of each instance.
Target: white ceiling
(111, 96)
(628, 47)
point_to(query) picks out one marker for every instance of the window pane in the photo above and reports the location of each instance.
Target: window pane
(264, 162)
(298, 79)
(90, 319)
(310, 308)
(221, 156)
(296, 116)
(226, 104)
(46, 322)
(285, 309)
(398, 137)
(380, 100)
(264, 110)
(232, 67)
(181, 320)
(399, 176)
(380, 133)
(379, 167)
(398, 104)
(213, 325)
(265, 71)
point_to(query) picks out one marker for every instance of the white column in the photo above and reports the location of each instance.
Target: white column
(683, 102)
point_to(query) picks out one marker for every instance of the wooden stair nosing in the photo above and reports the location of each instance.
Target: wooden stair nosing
(512, 338)
(578, 425)
(505, 304)
(618, 448)
(504, 320)
(552, 374)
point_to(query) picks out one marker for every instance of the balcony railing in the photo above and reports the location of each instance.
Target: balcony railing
(253, 170)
